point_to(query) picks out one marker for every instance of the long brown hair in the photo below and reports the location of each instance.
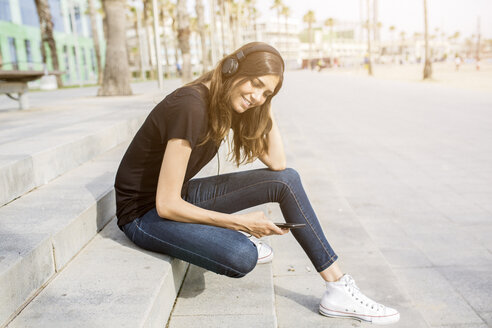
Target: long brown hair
(251, 127)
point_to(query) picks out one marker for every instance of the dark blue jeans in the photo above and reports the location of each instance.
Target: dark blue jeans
(226, 251)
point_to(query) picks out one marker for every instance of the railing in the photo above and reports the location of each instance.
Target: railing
(23, 66)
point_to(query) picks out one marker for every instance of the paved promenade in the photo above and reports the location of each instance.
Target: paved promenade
(399, 174)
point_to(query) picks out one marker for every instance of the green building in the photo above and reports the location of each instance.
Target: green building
(20, 39)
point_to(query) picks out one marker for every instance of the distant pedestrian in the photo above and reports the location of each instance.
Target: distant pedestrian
(178, 69)
(457, 62)
(320, 64)
(162, 208)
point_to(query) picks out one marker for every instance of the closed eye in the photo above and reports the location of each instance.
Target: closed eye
(257, 83)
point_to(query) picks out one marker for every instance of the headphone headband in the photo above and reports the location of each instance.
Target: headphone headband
(231, 65)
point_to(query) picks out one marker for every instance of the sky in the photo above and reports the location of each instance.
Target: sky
(408, 15)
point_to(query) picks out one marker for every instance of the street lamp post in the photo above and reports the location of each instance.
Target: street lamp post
(76, 37)
(157, 40)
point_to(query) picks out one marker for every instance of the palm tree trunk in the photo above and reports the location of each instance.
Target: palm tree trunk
(222, 23)
(166, 54)
(116, 78)
(369, 63)
(200, 20)
(184, 39)
(310, 31)
(213, 31)
(149, 34)
(157, 43)
(46, 27)
(427, 65)
(175, 43)
(95, 39)
(138, 30)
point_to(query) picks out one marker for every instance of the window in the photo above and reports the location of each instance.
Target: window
(93, 60)
(1, 55)
(84, 63)
(29, 13)
(74, 52)
(5, 11)
(56, 15)
(27, 45)
(13, 53)
(67, 62)
(78, 19)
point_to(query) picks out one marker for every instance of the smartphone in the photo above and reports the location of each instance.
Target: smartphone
(290, 225)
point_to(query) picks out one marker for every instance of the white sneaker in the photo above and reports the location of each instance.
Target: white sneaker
(265, 252)
(343, 299)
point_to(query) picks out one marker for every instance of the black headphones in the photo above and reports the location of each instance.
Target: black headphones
(231, 64)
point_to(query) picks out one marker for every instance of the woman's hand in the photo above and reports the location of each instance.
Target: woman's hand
(258, 225)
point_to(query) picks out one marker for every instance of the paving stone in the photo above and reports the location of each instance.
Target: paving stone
(251, 295)
(303, 293)
(487, 317)
(111, 283)
(214, 321)
(435, 297)
(472, 282)
(405, 257)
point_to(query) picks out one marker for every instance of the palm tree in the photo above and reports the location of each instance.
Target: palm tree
(147, 10)
(200, 21)
(277, 5)
(163, 10)
(427, 65)
(194, 33)
(229, 25)
(369, 63)
(183, 20)
(95, 39)
(286, 13)
(116, 78)
(222, 13)
(402, 39)
(309, 18)
(213, 32)
(170, 8)
(252, 15)
(233, 14)
(46, 27)
(137, 27)
(377, 37)
(330, 22)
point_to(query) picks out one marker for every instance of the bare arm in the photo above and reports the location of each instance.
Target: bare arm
(170, 205)
(275, 158)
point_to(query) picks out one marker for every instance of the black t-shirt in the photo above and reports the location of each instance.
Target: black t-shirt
(182, 114)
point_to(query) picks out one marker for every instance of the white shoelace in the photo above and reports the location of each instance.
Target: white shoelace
(363, 299)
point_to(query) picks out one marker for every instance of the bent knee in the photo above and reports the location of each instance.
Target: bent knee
(244, 260)
(289, 175)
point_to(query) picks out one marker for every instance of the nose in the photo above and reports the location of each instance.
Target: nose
(257, 97)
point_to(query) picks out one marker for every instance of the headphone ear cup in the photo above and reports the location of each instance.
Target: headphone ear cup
(230, 67)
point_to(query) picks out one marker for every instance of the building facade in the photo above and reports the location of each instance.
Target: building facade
(20, 39)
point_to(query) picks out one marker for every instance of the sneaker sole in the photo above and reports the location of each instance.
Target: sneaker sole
(265, 259)
(343, 315)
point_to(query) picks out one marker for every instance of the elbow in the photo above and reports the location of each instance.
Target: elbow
(163, 209)
(278, 166)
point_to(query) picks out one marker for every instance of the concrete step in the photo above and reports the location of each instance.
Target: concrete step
(59, 145)
(43, 230)
(209, 300)
(111, 283)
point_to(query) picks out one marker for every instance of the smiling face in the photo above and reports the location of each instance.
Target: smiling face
(253, 92)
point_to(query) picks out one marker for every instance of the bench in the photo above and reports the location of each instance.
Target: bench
(15, 82)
